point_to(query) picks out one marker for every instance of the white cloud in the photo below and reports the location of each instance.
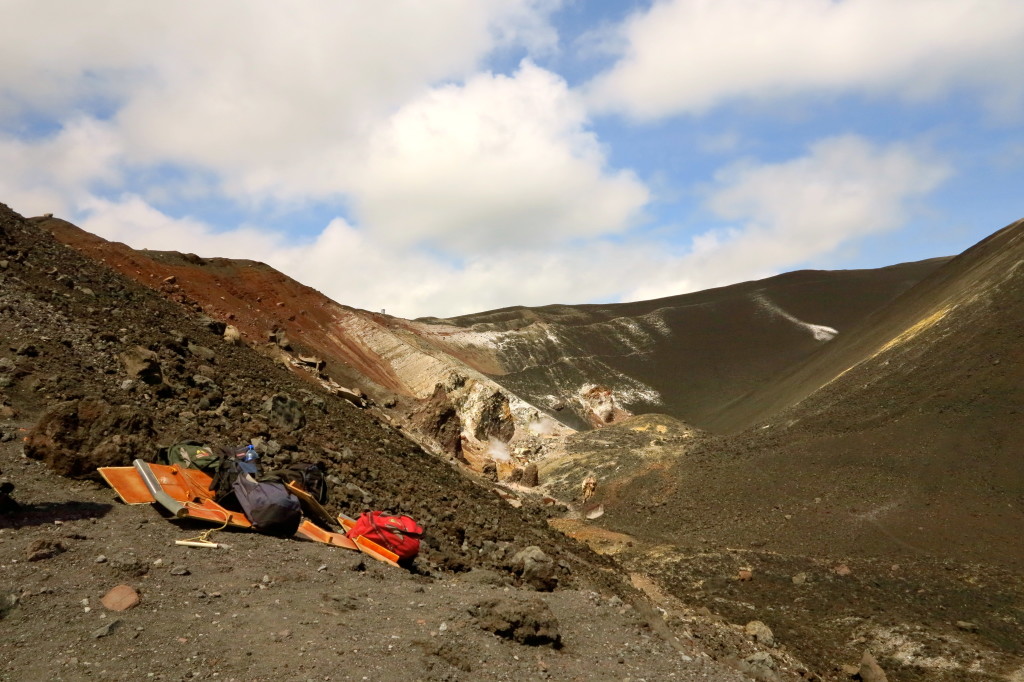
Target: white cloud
(791, 212)
(266, 94)
(52, 173)
(687, 56)
(376, 106)
(783, 214)
(343, 101)
(499, 161)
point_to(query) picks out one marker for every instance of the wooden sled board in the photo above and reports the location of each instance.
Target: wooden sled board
(128, 485)
(310, 531)
(190, 487)
(183, 485)
(311, 508)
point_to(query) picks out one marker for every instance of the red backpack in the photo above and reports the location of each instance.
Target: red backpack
(400, 534)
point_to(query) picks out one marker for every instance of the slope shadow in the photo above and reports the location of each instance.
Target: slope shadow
(42, 513)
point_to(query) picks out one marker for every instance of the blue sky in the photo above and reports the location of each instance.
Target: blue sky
(455, 156)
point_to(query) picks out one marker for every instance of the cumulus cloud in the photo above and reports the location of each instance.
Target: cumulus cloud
(688, 56)
(465, 190)
(787, 213)
(500, 161)
(267, 95)
(54, 172)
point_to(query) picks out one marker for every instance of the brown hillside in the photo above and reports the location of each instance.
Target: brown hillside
(913, 448)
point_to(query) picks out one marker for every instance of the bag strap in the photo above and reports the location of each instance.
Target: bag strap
(381, 533)
(392, 529)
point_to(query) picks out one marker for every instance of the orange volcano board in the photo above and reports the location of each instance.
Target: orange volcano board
(310, 531)
(190, 487)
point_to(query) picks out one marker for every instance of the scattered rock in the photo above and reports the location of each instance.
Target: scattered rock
(8, 602)
(143, 364)
(531, 477)
(536, 568)
(8, 505)
(967, 626)
(215, 326)
(127, 564)
(120, 598)
(523, 620)
(76, 437)
(870, 670)
(842, 569)
(490, 471)
(180, 570)
(745, 574)
(799, 578)
(28, 350)
(44, 549)
(760, 633)
(280, 337)
(202, 352)
(105, 630)
(284, 413)
(232, 335)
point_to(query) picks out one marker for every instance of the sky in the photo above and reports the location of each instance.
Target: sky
(445, 157)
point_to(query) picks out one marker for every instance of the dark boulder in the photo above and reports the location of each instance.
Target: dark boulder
(284, 413)
(76, 437)
(526, 620)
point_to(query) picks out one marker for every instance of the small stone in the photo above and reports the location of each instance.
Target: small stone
(536, 568)
(760, 633)
(524, 620)
(105, 629)
(120, 598)
(967, 626)
(799, 578)
(530, 478)
(180, 570)
(745, 575)
(870, 670)
(842, 569)
(101, 559)
(44, 549)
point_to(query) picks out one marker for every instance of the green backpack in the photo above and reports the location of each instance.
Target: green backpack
(193, 455)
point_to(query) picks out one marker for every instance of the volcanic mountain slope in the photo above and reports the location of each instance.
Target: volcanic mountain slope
(913, 444)
(884, 506)
(96, 370)
(686, 355)
(584, 365)
(450, 406)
